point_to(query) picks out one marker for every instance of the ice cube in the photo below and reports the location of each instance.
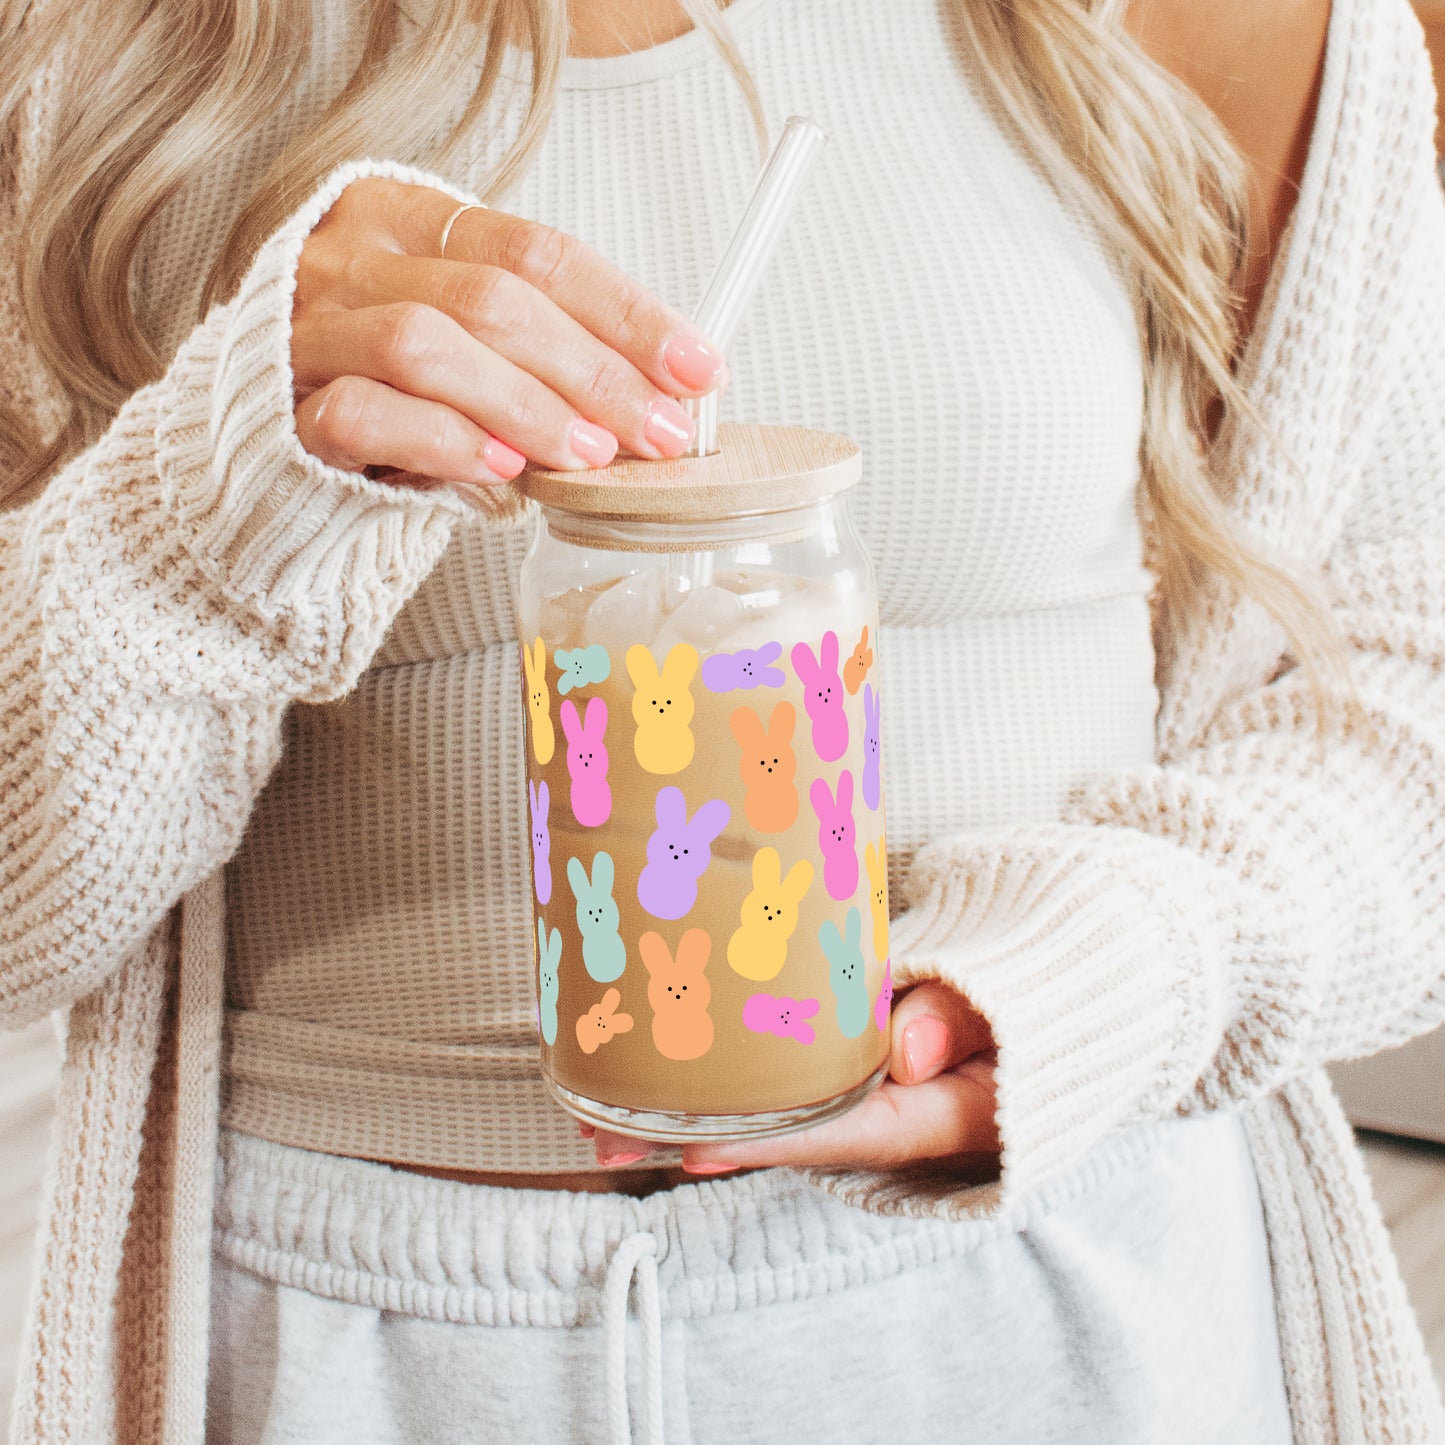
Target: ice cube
(706, 619)
(561, 619)
(628, 611)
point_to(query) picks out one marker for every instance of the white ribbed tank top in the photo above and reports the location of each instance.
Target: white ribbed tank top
(935, 300)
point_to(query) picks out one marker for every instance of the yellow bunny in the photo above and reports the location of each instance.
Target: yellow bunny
(662, 707)
(876, 857)
(539, 702)
(759, 948)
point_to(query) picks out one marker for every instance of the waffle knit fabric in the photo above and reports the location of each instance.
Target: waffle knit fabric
(1204, 933)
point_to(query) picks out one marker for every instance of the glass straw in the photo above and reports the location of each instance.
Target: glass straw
(740, 271)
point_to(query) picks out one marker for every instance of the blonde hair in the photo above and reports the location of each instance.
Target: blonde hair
(161, 90)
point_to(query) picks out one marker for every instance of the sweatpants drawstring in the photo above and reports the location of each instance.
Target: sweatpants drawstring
(637, 1254)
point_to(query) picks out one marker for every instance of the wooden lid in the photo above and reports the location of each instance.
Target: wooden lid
(757, 469)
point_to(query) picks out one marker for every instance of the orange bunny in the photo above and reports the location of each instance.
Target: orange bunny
(856, 668)
(601, 1022)
(767, 766)
(679, 994)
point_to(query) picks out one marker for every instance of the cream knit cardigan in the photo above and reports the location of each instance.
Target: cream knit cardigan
(1203, 934)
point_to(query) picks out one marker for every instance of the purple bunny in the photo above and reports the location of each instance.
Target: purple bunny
(823, 696)
(883, 1004)
(837, 836)
(587, 761)
(747, 668)
(678, 853)
(786, 1017)
(872, 785)
(541, 841)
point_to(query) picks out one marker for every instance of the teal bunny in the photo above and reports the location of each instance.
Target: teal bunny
(603, 953)
(549, 957)
(581, 666)
(845, 972)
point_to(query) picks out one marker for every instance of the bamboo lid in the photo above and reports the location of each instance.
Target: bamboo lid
(757, 469)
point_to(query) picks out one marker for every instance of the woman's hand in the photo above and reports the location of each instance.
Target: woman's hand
(522, 344)
(938, 1102)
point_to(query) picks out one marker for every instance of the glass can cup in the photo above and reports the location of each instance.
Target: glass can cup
(704, 776)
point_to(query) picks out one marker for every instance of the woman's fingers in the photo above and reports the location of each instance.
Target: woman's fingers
(413, 347)
(896, 1125)
(657, 340)
(519, 322)
(618, 1149)
(529, 334)
(934, 1029)
(355, 422)
(939, 1101)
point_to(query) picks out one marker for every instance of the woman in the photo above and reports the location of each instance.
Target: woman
(1012, 283)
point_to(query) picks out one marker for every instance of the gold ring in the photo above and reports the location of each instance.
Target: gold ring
(455, 216)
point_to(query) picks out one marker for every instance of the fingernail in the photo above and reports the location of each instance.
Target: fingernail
(615, 1161)
(594, 444)
(709, 1168)
(668, 427)
(586, 1130)
(925, 1041)
(501, 460)
(693, 361)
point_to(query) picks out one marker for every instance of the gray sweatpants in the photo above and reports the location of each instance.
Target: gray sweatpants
(1126, 1303)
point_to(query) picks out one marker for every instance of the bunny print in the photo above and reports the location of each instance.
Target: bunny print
(662, 707)
(602, 1022)
(854, 670)
(751, 667)
(872, 754)
(679, 993)
(539, 702)
(587, 761)
(837, 836)
(883, 1005)
(678, 853)
(759, 949)
(581, 666)
(549, 959)
(767, 766)
(875, 859)
(846, 973)
(823, 696)
(785, 1017)
(541, 841)
(604, 955)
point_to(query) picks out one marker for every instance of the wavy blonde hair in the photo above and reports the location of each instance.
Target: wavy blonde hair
(162, 90)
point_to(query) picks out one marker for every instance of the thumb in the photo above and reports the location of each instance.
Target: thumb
(935, 1028)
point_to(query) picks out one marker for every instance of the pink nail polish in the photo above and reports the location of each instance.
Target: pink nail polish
(502, 460)
(925, 1041)
(616, 1161)
(692, 361)
(668, 427)
(586, 1130)
(595, 445)
(710, 1168)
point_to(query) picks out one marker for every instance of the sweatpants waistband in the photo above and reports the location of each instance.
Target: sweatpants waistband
(366, 1233)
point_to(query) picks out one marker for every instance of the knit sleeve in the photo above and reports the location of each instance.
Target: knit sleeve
(1271, 895)
(164, 599)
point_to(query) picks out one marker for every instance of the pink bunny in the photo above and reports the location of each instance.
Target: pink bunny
(823, 696)
(883, 1004)
(837, 836)
(678, 853)
(783, 1016)
(541, 841)
(587, 762)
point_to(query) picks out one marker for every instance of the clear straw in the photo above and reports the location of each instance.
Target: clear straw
(740, 271)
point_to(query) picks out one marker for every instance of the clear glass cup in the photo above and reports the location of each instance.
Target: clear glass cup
(705, 791)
